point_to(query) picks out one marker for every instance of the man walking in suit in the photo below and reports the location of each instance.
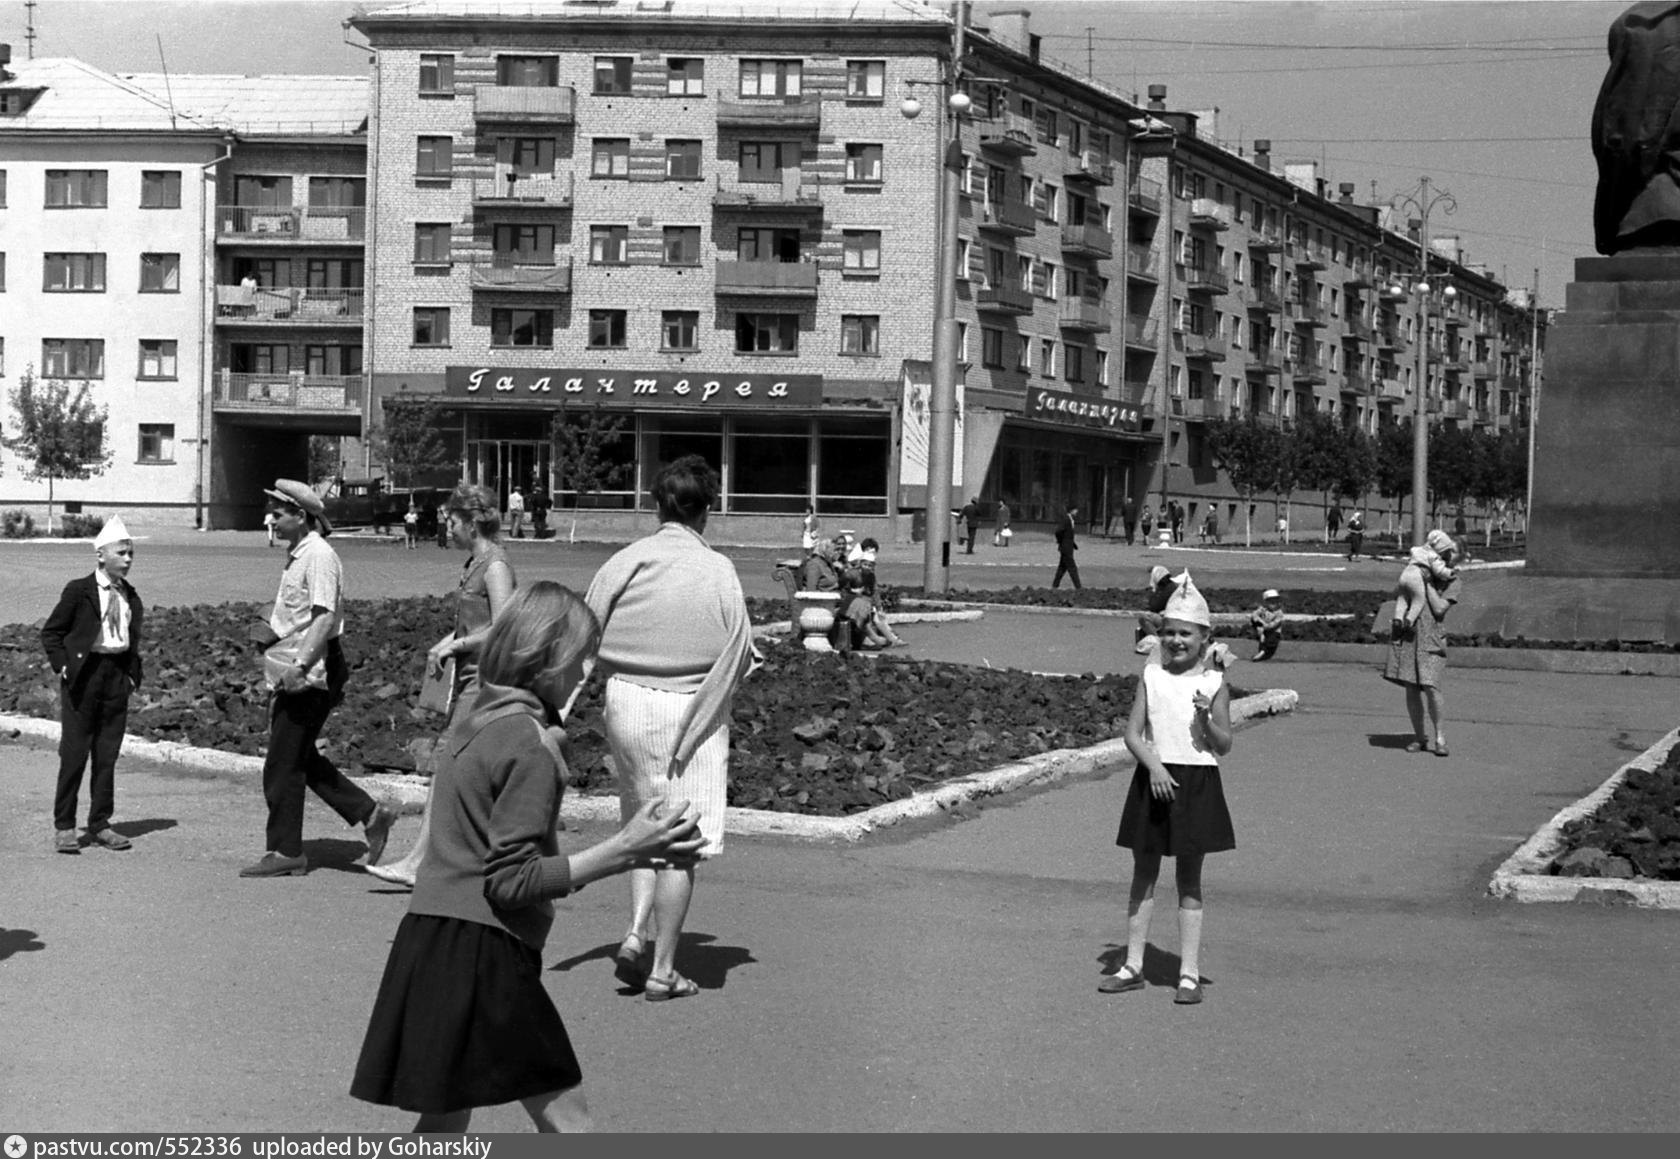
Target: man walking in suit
(92, 640)
(1128, 518)
(971, 520)
(308, 618)
(1065, 547)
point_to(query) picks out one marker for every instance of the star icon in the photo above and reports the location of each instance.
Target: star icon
(16, 1145)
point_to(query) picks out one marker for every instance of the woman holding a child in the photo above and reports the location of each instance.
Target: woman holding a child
(1417, 648)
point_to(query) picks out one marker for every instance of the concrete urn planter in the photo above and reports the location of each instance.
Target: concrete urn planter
(814, 618)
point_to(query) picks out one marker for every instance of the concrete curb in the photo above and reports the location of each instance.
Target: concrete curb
(1522, 877)
(407, 794)
(782, 627)
(1559, 660)
(1110, 613)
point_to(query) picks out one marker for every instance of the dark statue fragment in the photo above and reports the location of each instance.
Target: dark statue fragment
(1636, 133)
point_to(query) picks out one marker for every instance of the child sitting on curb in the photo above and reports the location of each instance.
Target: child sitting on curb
(1268, 623)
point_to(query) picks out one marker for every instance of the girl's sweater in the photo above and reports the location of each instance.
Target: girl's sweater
(1171, 723)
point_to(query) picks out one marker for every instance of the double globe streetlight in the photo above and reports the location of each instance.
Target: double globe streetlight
(1433, 290)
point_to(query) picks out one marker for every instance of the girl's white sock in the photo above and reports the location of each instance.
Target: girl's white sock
(1190, 942)
(1137, 934)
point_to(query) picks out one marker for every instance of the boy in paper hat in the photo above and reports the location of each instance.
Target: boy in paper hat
(92, 640)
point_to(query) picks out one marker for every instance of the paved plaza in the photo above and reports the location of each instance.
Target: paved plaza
(942, 977)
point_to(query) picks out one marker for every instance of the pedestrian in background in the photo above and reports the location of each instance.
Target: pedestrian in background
(1417, 645)
(1210, 529)
(1333, 523)
(1176, 511)
(268, 526)
(1128, 519)
(1065, 547)
(808, 530)
(971, 521)
(309, 676)
(1267, 621)
(1355, 535)
(1002, 533)
(1148, 523)
(411, 526)
(92, 641)
(516, 514)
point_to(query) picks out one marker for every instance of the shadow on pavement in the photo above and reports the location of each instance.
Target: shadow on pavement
(699, 959)
(141, 828)
(1390, 740)
(335, 853)
(1160, 967)
(18, 942)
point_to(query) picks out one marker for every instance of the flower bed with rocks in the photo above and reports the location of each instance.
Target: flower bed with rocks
(1636, 833)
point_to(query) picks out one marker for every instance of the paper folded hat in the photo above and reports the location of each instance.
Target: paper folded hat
(1187, 604)
(112, 532)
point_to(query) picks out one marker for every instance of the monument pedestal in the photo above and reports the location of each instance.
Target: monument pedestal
(1604, 534)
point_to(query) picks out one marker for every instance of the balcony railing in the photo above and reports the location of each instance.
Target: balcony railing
(1201, 346)
(1265, 360)
(311, 224)
(1144, 196)
(1142, 332)
(1307, 313)
(525, 189)
(1360, 330)
(505, 274)
(1010, 134)
(525, 104)
(1206, 213)
(1391, 389)
(1355, 383)
(1359, 275)
(1206, 279)
(803, 112)
(1015, 218)
(1087, 314)
(1483, 369)
(1308, 255)
(1091, 166)
(1262, 240)
(288, 306)
(1090, 240)
(1306, 370)
(1004, 300)
(1454, 408)
(775, 279)
(779, 189)
(1140, 263)
(1265, 301)
(296, 392)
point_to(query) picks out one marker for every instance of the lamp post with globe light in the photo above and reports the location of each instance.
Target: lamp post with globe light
(1432, 290)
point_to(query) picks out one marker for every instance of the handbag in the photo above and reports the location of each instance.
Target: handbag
(437, 686)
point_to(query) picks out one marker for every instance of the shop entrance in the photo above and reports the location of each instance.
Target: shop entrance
(503, 464)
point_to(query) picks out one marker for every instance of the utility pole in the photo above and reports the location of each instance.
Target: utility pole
(1164, 358)
(1424, 203)
(29, 28)
(1533, 390)
(1090, 53)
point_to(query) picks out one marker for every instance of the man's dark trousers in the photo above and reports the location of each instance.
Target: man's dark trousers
(1066, 566)
(1131, 528)
(93, 715)
(293, 762)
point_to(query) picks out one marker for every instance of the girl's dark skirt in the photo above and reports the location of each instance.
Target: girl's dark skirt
(1194, 822)
(461, 1021)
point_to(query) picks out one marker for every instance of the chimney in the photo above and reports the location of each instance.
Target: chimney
(1346, 189)
(1263, 153)
(1157, 98)
(5, 57)
(1009, 27)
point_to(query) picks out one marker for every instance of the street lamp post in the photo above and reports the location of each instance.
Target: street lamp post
(1423, 202)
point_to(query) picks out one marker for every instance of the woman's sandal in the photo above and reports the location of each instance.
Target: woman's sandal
(665, 989)
(630, 964)
(1417, 746)
(1122, 980)
(1189, 991)
(1441, 749)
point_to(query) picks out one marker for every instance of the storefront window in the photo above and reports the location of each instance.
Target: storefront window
(852, 466)
(667, 438)
(769, 465)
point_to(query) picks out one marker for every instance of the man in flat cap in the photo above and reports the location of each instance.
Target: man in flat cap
(92, 641)
(308, 673)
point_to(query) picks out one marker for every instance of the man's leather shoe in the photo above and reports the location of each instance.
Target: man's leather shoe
(277, 865)
(110, 839)
(65, 841)
(377, 828)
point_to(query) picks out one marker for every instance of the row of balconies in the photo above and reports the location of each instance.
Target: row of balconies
(295, 391)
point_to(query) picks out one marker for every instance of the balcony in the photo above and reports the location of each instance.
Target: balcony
(1514, 382)
(309, 225)
(1453, 408)
(1012, 218)
(1265, 361)
(1204, 279)
(1307, 314)
(1453, 319)
(1144, 196)
(1143, 333)
(1360, 330)
(285, 399)
(1004, 300)
(1198, 410)
(1089, 240)
(1008, 134)
(1354, 383)
(1359, 275)
(1308, 256)
(1389, 338)
(1265, 241)
(289, 306)
(1140, 263)
(523, 190)
(782, 190)
(1206, 213)
(525, 104)
(803, 112)
(1089, 315)
(768, 279)
(1203, 347)
(1504, 422)
(1390, 390)
(1090, 166)
(1306, 371)
(1262, 301)
(503, 274)
(1483, 370)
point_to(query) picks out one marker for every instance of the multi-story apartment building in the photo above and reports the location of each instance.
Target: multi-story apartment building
(191, 248)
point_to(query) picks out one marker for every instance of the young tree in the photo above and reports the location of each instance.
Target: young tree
(1452, 467)
(1286, 468)
(324, 457)
(1247, 452)
(582, 443)
(60, 432)
(406, 440)
(1358, 467)
(1394, 464)
(1320, 451)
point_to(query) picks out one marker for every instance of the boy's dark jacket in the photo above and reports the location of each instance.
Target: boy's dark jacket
(72, 630)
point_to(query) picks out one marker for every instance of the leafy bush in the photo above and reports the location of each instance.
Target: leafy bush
(16, 524)
(78, 526)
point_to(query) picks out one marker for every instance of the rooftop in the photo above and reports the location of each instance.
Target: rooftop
(884, 11)
(273, 105)
(77, 97)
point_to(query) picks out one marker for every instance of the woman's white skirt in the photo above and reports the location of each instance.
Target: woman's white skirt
(642, 733)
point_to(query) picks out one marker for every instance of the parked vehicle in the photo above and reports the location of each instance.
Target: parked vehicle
(369, 503)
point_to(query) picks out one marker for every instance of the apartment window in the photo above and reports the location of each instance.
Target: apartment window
(767, 245)
(965, 259)
(157, 443)
(962, 341)
(332, 360)
(610, 157)
(682, 245)
(73, 358)
(431, 243)
(1047, 357)
(157, 358)
(1046, 123)
(160, 189)
(74, 274)
(606, 328)
(2, 189)
(682, 159)
(1102, 368)
(860, 334)
(862, 250)
(2, 273)
(771, 78)
(766, 159)
(255, 191)
(431, 325)
(866, 79)
(75, 188)
(522, 327)
(1023, 355)
(160, 273)
(527, 156)
(767, 333)
(337, 192)
(991, 347)
(1073, 363)
(609, 245)
(679, 330)
(437, 74)
(1073, 282)
(527, 245)
(528, 71)
(612, 75)
(685, 76)
(1051, 285)
(3, 357)
(863, 163)
(1076, 136)
(433, 158)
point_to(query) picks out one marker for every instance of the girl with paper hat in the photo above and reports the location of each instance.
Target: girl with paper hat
(1179, 728)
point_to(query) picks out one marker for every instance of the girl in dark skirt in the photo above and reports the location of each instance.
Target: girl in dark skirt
(462, 1019)
(1180, 726)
